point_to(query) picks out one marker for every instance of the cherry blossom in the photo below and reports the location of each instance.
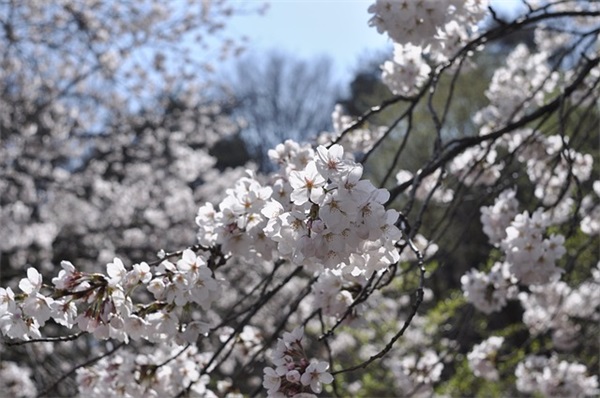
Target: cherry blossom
(16, 380)
(316, 374)
(295, 375)
(482, 359)
(552, 377)
(107, 158)
(307, 184)
(495, 219)
(532, 257)
(489, 292)
(407, 71)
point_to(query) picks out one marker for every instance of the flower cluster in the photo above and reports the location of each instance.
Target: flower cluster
(554, 378)
(294, 374)
(163, 372)
(242, 347)
(590, 211)
(496, 218)
(336, 218)
(482, 358)
(477, 165)
(15, 380)
(239, 226)
(318, 213)
(489, 292)
(428, 23)
(555, 306)
(532, 257)
(407, 71)
(524, 81)
(333, 291)
(416, 373)
(551, 165)
(437, 29)
(104, 304)
(425, 368)
(545, 310)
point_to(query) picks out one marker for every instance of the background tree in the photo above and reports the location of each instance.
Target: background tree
(83, 111)
(280, 97)
(105, 137)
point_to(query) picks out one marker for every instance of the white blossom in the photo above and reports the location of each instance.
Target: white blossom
(482, 358)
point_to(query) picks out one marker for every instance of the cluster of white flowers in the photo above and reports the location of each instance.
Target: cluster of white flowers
(555, 306)
(333, 291)
(496, 218)
(477, 165)
(416, 373)
(482, 358)
(164, 372)
(243, 347)
(15, 380)
(407, 71)
(319, 213)
(294, 374)
(532, 257)
(524, 82)
(436, 28)
(544, 310)
(553, 378)
(489, 292)
(550, 165)
(239, 225)
(590, 211)
(428, 23)
(104, 304)
(425, 368)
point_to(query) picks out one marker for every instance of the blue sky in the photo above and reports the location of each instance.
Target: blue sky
(309, 28)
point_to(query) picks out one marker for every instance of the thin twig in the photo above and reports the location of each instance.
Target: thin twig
(419, 293)
(47, 339)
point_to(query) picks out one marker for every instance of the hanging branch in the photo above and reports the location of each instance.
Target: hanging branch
(419, 294)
